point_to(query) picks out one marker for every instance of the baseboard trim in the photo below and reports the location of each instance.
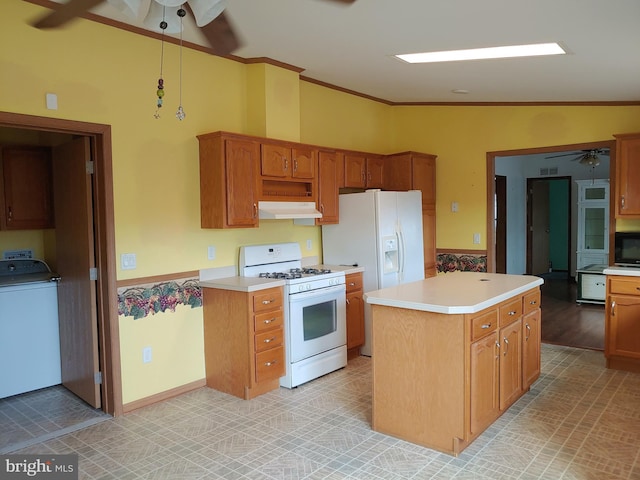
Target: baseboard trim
(162, 396)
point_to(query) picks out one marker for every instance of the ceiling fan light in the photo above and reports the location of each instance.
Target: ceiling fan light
(205, 11)
(157, 13)
(170, 3)
(130, 8)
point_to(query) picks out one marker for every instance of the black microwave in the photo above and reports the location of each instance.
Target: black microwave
(627, 248)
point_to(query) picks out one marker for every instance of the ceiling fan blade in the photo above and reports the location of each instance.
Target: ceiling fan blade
(65, 12)
(221, 36)
(564, 155)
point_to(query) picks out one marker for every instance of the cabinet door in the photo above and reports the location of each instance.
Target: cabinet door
(241, 160)
(510, 363)
(530, 348)
(628, 175)
(275, 160)
(355, 319)
(375, 170)
(328, 188)
(304, 162)
(429, 241)
(484, 382)
(623, 329)
(398, 172)
(424, 178)
(26, 176)
(354, 171)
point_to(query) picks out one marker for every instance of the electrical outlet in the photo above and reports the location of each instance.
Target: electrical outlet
(211, 252)
(454, 207)
(308, 244)
(476, 238)
(146, 354)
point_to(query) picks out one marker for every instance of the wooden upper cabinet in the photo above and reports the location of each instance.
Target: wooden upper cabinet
(412, 171)
(363, 170)
(27, 193)
(354, 170)
(228, 176)
(328, 181)
(283, 161)
(627, 175)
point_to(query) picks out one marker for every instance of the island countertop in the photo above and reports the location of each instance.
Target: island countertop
(455, 292)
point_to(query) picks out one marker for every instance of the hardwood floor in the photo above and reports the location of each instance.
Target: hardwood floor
(565, 322)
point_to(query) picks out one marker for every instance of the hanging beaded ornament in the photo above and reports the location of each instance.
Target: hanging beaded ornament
(160, 91)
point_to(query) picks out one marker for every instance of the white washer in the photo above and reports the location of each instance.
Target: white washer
(29, 335)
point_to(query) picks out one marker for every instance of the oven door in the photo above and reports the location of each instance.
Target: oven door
(317, 322)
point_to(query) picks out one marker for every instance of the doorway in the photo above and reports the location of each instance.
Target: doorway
(548, 225)
(103, 318)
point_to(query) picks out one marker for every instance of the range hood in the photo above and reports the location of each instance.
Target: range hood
(284, 210)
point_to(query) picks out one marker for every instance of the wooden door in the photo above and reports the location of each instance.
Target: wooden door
(623, 335)
(240, 161)
(304, 162)
(538, 227)
(424, 178)
(530, 348)
(375, 176)
(75, 258)
(275, 160)
(510, 363)
(355, 319)
(354, 166)
(484, 382)
(628, 176)
(328, 188)
(501, 224)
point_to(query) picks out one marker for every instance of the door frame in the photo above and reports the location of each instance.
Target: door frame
(490, 184)
(501, 223)
(107, 299)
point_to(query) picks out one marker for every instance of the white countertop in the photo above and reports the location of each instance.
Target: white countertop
(242, 284)
(455, 292)
(628, 271)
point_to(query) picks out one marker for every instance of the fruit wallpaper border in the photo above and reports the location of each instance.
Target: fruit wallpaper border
(148, 299)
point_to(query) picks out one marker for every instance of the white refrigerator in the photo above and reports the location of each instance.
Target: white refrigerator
(382, 232)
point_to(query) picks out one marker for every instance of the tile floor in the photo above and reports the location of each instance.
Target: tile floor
(579, 421)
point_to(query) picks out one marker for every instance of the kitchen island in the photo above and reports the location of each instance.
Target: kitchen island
(451, 353)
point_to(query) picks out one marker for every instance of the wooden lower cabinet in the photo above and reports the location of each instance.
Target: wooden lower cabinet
(622, 323)
(244, 340)
(355, 314)
(459, 372)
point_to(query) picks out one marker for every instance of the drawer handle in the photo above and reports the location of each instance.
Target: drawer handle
(498, 348)
(348, 302)
(506, 345)
(512, 313)
(268, 321)
(269, 340)
(267, 302)
(600, 283)
(485, 326)
(528, 332)
(271, 363)
(352, 284)
(613, 308)
(533, 302)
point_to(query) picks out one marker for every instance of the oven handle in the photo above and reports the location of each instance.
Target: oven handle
(321, 292)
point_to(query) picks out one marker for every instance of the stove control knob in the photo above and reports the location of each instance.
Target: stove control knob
(308, 286)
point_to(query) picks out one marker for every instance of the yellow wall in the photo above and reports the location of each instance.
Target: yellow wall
(461, 137)
(108, 76)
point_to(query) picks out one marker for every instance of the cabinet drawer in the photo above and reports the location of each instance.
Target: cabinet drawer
(270, 339)
(268, 320)
(269, 299)
(510, 311)
(625, 286)
(483, 324)
(531, 301)
(592, 286)
(270, 364)
(354, 282)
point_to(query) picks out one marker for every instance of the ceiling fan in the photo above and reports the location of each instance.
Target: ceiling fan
(586, 157)
(208, 14)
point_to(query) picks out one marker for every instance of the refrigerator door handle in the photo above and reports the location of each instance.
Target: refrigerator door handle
(401, 254)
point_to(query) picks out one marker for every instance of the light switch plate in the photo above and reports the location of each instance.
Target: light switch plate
(128, 261)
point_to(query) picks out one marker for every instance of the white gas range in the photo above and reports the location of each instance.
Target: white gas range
(315, 310)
